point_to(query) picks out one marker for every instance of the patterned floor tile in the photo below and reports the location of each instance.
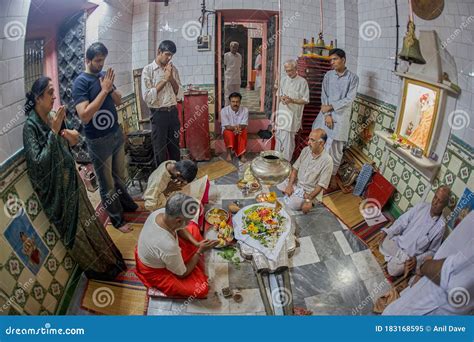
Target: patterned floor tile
(215, 303)
(309, 280)
(319, 220)
(251, 303)
(328, 304)
(341, 239)
(356, 244)
(305, 254)
(366, 264)
(327, 246)
(242, 276)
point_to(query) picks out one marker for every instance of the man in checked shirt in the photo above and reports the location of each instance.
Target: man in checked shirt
(161, 90)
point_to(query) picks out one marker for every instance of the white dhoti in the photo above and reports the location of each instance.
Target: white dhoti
(229, 89)
(394, 256)
(296, 200)
(335, 149)
(285, 143)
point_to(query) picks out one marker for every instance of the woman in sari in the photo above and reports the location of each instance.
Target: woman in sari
(53, 174)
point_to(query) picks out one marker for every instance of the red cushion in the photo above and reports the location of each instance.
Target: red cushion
(379, 189)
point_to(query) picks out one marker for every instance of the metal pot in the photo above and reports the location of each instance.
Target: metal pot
(270, 167)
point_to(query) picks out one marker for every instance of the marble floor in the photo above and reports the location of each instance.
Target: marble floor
(332, 272)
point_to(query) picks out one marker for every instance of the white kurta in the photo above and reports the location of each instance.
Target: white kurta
(289, 116)
(233, 64)
(455, 294)
(417, 233)
(231, 118)
(257, 67)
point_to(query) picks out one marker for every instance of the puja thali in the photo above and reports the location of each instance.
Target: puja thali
(220, 230)
(215, 216)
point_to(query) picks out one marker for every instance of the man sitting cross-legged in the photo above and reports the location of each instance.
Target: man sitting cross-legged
(444, 284)
(310, 175)
(234, 121)
(169, 253)
(415, 235)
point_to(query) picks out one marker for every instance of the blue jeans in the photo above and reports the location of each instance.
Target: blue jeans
(108, 156)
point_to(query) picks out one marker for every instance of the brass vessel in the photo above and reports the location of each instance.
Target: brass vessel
(270, 167)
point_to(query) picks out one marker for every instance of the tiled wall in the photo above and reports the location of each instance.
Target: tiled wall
(13, 18)
(411, 187)
(455, 28)
(23, 292)
(111, 24)
(198, 67)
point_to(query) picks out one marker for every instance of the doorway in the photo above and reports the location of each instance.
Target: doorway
(251, 29)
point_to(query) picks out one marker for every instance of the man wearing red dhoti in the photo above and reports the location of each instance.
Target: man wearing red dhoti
(234, 121)
(169, 253)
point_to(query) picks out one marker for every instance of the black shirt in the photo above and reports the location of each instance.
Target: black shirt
(86, 87)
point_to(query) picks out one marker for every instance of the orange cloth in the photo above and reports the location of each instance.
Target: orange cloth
(421, 133)
(194, 285)
(236, 142)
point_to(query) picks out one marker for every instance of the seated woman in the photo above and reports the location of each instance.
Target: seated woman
(53, 174)
(169, 253)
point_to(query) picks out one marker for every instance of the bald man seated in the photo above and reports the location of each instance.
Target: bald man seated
(415, 235)
(310, 175)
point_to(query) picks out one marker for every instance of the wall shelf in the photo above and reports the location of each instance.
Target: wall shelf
(427, 167)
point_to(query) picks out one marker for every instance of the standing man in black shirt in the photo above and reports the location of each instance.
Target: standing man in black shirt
(95, 97)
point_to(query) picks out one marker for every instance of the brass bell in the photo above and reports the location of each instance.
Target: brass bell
(411, 46)
(320, 46)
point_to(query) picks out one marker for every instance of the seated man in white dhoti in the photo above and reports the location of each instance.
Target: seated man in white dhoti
(415, 235)
(446, 282)
(310, 175)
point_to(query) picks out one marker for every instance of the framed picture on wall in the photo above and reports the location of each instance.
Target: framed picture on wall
(419, 107)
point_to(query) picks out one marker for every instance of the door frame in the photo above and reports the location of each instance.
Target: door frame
(261, 17)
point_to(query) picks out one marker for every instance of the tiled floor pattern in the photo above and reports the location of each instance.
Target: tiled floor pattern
(332, 271)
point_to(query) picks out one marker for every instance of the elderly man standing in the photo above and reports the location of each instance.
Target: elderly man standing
(338, 93)
(232, 73)
(415, 235)
(310, 176)
(234, 121)
(169, 253)
(161, 89)
(293, 95)
(446, 282)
